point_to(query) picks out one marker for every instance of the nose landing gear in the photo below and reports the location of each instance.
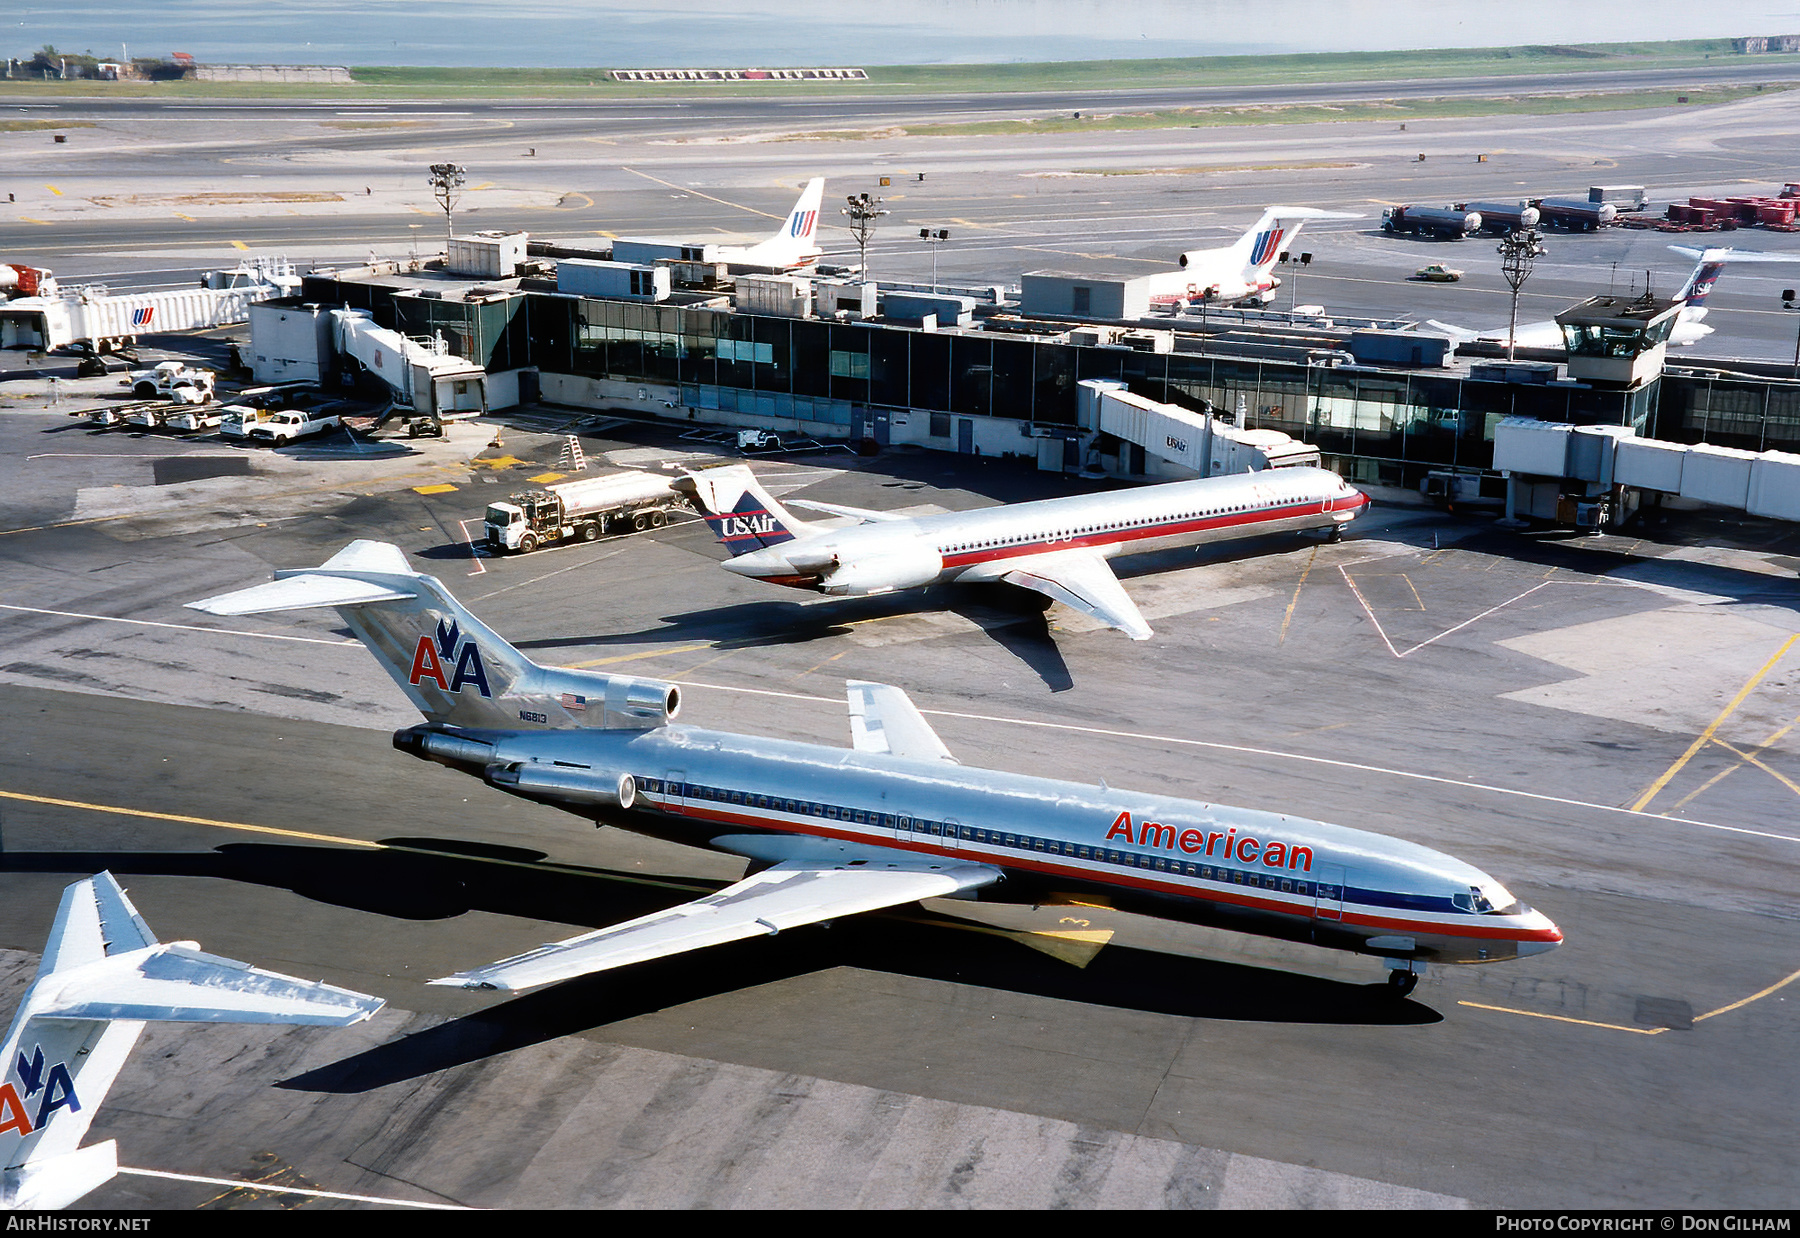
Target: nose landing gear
(1403, 976)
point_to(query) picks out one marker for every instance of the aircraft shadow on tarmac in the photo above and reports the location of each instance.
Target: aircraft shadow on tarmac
(432, 879)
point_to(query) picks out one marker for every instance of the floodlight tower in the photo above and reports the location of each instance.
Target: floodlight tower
(863, 211)
(934, 237)
(1518, 250)
(447, 182)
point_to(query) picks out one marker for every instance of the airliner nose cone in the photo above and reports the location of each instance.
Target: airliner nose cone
(1545, 936)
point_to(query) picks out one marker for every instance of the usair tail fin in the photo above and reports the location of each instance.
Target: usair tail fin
(456, 670)
(103, 977)
(741, 513)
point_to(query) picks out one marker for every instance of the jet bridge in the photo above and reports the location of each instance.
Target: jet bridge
(1185, 443)
(421, 372)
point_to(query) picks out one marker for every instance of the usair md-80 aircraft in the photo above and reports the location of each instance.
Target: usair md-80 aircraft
(1058, 547)
(831, 832)
(1242, 271)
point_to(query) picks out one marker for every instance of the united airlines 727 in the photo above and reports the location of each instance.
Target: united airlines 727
(1058, 547)
(895, 818)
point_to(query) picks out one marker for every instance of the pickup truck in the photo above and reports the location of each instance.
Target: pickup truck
(238, 420)
(290, 424)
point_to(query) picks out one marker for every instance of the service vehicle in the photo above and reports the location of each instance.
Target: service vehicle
(1438, 273)
(173, 379)
(237, 420)
(1430, 221)
(758, 440)
(292, 424)
(190, 419)
(584, 509)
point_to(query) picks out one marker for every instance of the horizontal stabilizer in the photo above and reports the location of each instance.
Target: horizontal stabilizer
(177, 983)
(298, 593)
(856, 513)
(303, 588)
(783, 897)
(884, 719)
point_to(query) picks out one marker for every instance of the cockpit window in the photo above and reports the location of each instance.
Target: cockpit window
(1494, 900)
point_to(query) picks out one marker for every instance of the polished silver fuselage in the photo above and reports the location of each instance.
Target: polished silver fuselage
(1239, 868)
(978, 545)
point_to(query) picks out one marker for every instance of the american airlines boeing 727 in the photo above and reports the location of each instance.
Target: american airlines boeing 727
(895, 818)
(1058, 547)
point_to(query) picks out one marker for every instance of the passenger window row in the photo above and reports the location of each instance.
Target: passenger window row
(985, 837)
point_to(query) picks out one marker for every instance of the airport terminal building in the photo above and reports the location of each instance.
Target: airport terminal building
(1382, 406)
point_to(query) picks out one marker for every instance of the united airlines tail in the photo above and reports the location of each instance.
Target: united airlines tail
(794, 243)
(103, 976)
(1242, 267)
(455, 669)
(743, 515)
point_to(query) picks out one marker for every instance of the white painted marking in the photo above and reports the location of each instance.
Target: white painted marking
(240, 1184)
(178, 627)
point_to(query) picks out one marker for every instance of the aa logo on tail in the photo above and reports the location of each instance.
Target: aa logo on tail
(56, 1085)
(449, 649)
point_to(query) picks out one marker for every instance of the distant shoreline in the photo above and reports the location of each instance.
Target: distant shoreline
(378, 81)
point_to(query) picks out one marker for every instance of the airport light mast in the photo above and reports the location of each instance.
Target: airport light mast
(1518, 250)
(863, 211)
(447, 182)
(934, 237)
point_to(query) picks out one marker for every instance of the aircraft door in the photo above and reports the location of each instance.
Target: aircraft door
(1328, 892)
(674, 790)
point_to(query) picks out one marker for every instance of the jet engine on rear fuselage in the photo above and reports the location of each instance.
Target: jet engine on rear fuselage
(903, 567)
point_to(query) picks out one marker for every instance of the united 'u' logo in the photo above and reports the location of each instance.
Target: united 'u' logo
(449, 649)
(801, 223)
(142, 317)
(1265, 245)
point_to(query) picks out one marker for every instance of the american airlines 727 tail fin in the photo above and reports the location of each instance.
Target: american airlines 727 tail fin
(103, 976)
(456, 670)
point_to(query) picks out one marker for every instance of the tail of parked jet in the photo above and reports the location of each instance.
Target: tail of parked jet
(743, 515)
(455, 669)
(103, 976)
(1255, 252)
(1710, 262)
(795, 242)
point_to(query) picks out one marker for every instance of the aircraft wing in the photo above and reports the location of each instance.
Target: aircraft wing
(838, 509)
(785, 896)
(1077, 578)
(884, 719)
